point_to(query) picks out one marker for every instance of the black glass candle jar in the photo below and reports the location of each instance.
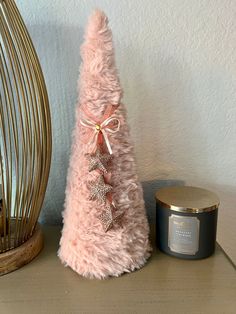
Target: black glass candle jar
(186, 221)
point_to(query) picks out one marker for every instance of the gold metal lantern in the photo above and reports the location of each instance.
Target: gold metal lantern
(25, 142)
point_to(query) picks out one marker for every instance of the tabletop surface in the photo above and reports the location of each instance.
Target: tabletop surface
(165, 285)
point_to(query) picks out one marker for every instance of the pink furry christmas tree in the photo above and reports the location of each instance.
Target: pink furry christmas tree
(105, 229)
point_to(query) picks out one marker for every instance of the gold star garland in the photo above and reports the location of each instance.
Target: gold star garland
(99, 189)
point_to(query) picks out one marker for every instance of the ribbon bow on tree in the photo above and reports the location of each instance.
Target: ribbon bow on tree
(105, 128)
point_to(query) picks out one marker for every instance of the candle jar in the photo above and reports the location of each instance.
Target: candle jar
(186, 221)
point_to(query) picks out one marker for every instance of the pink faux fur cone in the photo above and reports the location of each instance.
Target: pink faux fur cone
(84, 245)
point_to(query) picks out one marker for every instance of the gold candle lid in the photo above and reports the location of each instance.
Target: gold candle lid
(187, 199)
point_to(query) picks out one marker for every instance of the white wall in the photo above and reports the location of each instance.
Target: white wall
(177, 65)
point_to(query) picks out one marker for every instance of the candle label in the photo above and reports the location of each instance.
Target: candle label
(183, 234)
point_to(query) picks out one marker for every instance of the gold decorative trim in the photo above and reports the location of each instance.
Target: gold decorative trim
(25, 130)
(187, 199)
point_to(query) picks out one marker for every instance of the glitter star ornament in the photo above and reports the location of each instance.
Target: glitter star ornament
(117, 218)
(96, 243)
(106, 219)
(98, 161)
(109, 217)
(99, 190)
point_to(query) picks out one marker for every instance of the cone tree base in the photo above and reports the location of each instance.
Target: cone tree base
(22, 255)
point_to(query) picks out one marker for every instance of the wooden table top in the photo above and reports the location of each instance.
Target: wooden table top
(165, 285)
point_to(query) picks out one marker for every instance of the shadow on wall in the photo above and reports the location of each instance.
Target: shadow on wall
(149, 190)
(58, 50)
(161, 97)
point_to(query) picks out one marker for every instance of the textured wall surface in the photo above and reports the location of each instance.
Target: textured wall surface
(177, 65)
